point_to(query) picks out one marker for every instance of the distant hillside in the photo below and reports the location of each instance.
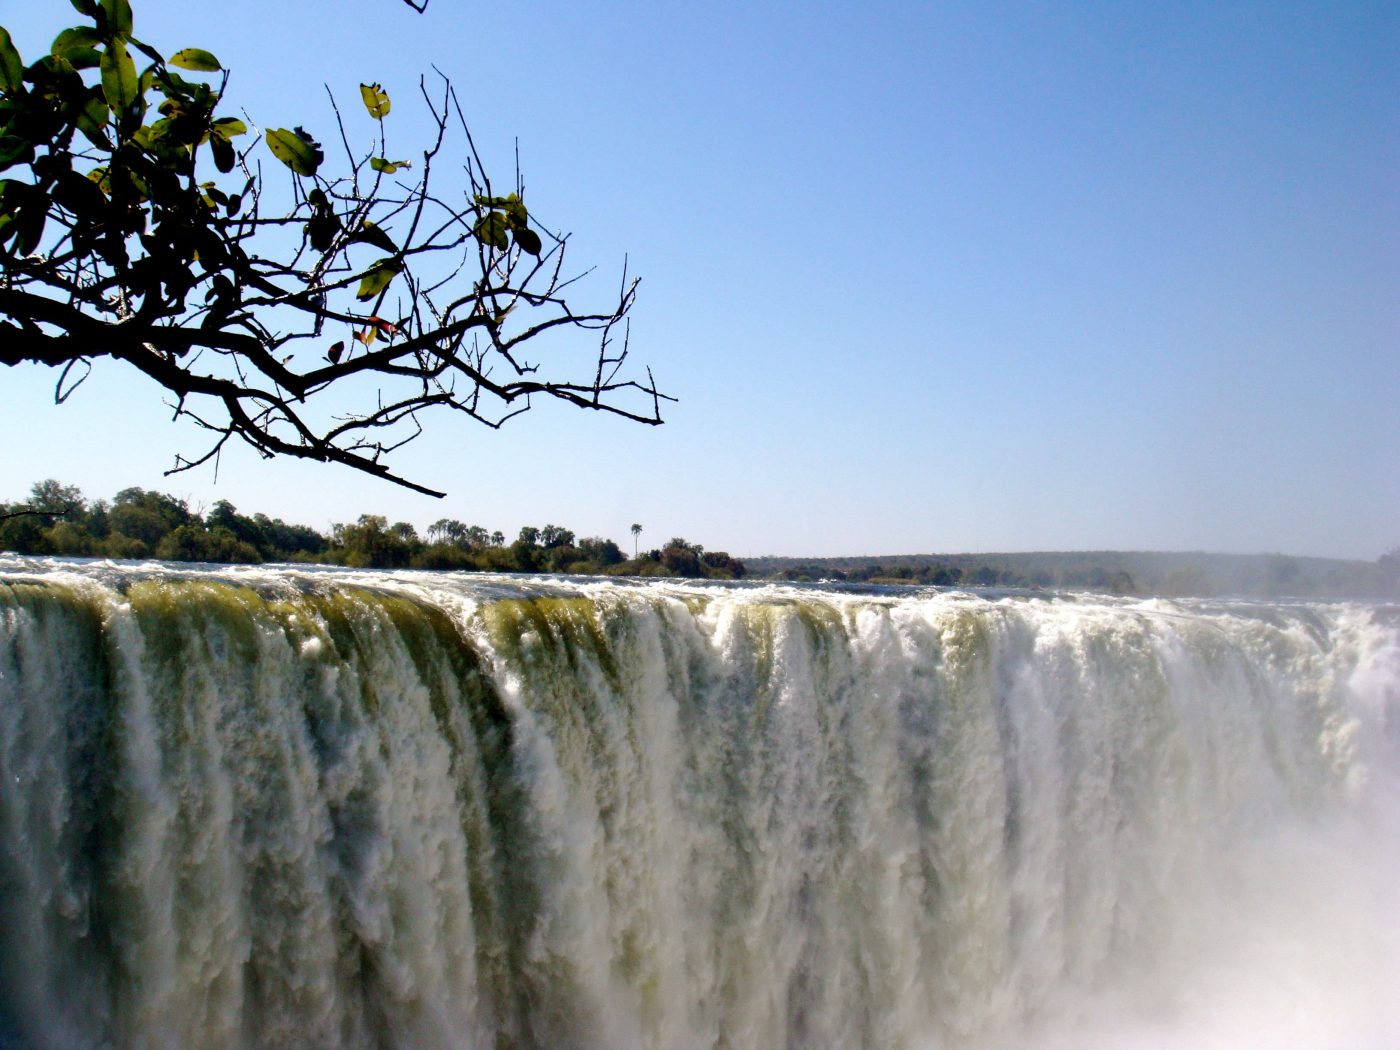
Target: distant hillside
(1170, 573)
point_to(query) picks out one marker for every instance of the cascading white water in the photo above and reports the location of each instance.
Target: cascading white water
(266, 807)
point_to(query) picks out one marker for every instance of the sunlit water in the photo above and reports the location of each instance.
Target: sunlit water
(276, 807)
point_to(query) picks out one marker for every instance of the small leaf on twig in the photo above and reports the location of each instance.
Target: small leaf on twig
(516, 214)
(386, 328)
(296, 149)
(335, 352)
(92, 120)
(388, 167)
(376, 100)
(228, 127)
(377, 278)
(490, 229)
(369, 233)
(224, 156)
(527, 240)
(197, 59)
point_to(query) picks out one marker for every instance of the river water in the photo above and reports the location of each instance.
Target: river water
(278, 807)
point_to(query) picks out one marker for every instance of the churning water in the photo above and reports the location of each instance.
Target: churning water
(283, 808)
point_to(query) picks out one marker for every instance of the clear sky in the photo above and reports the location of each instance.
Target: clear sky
(924, 276)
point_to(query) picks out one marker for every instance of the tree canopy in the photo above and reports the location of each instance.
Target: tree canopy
(320, 313)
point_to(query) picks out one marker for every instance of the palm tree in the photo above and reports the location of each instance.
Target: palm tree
(636, 531)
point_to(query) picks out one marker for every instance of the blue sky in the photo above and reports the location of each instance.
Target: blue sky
(924, 277)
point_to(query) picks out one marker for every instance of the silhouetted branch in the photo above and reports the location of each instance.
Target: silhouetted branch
(318, 316)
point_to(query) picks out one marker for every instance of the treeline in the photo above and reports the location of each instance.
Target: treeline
(944, 574)
(1166, 573)
(58, 519)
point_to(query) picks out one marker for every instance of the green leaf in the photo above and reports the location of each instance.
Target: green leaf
(376, 100)
(102, 177)
(92, 122)
(119, 81)
(15, 149)
(515, 211)
(85, 7)
(378, 278)
(78, 45)
(9, 205)
(491, 229)
(528, 240)
(197, 59)
(322, 228)
(118, 15)
(227, 128)
(173, 85)
(11, 66)
(369, 233)
(76, 36)
(388, 167)
(224, 156)
(300, 152)
(28, 226)
(80, 195)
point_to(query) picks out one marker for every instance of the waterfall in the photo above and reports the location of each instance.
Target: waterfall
(277, 807)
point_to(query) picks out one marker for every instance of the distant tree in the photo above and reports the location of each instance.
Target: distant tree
(446, 530)
(64, 502)
(682, 558)
(194, 543)
(283, 540)
(636, 534)
(321, 315)
(246, 530)
(370, 542)
(145, 517)
(600, 552)
(556, 536)
(984, 576)
(719, 565)
(498, 539)
(48, 500)
(526, 555)
(23, 531)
